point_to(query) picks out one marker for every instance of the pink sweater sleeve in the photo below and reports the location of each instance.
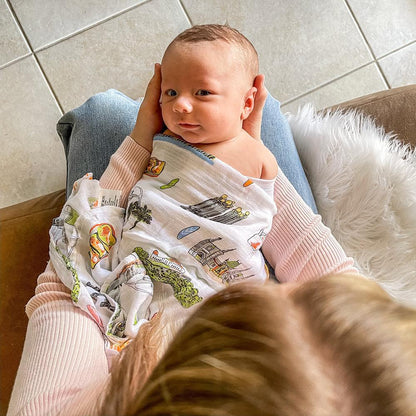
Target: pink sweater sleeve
(63, 355)
(300, 247)
(64, 368)
(126, 168)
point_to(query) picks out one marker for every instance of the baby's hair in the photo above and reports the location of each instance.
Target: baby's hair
(225, 33)
(336, 346)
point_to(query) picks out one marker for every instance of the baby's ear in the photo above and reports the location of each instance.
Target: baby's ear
(248, 102)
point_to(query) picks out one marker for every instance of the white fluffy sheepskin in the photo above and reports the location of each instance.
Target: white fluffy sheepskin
(364, 183)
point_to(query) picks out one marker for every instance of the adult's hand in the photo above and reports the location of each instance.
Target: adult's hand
(149, 119)
(252, 124)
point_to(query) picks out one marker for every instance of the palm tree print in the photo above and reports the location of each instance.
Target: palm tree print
(140, 213)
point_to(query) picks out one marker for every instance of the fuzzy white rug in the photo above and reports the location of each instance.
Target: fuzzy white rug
(364, 183)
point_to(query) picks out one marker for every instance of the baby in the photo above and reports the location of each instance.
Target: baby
(197, 218)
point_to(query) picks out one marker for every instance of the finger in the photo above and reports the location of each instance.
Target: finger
(262, 93)
(253, 123)
(154, 87)
(157, 74)
(258, 81)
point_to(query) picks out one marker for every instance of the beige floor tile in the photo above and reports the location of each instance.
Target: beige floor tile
(12, 44)
(387, 24)
(361, 82)
(117, 54)
(50, 20)
(400, 67)
(32, 161)
(301, 43)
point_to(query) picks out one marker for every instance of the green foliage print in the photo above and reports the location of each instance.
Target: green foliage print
(183, 289)
(141, 214)
(76, 286)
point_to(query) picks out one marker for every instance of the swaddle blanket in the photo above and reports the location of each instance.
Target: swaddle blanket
(193, 224)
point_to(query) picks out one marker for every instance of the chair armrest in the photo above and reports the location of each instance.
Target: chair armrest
(23, 256)
(393, 109)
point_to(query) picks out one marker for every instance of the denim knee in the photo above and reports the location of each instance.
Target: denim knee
(108, 111)
(110, 104)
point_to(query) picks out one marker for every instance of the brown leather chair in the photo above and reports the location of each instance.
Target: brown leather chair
(24, 233)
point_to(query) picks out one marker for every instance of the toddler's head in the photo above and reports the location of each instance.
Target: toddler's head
(207, 83)
(335, 346)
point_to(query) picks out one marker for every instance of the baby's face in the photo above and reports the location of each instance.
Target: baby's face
(204, 89)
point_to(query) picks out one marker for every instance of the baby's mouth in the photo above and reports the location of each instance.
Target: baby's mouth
(188, 126)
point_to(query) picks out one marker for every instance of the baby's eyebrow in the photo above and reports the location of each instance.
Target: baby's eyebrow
(207, 83)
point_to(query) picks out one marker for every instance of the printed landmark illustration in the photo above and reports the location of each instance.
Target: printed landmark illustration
(209, 256)
(219, 209)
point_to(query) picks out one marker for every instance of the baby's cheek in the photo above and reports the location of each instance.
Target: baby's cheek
(167, 116)
(164, 110)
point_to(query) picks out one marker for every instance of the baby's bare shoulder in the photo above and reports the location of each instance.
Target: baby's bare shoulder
(270, 166)
(265, 157)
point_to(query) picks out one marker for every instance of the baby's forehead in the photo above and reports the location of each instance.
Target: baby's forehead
(185, 47)
(230, 53)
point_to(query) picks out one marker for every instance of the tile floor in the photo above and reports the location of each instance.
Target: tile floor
(54, 54)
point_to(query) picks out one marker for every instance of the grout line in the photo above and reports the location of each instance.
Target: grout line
(49, 85)
(92, 25)
(15, 60)
(324, 84)
(373, 56)
(32, 53)
(303, 94)
(396, 50)
(367, 43)
(19, 26)
(185, 12)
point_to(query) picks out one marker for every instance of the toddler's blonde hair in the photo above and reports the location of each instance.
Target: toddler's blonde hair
(336, 346)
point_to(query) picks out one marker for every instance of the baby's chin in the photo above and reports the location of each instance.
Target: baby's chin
(190, 137)
(193, 137)
(196, 140)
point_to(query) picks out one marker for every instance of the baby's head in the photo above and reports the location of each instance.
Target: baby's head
(207, 83)
(243, 51)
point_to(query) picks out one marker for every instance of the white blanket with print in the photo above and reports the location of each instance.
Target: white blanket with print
(193, 225)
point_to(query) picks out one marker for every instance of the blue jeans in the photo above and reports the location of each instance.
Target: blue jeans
(92, 132)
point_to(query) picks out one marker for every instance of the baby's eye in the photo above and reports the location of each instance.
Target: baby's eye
(171, 93)
(203, 92)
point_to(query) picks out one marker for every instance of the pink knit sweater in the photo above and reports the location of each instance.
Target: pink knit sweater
(64, 368)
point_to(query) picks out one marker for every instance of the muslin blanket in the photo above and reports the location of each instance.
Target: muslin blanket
(193, 225)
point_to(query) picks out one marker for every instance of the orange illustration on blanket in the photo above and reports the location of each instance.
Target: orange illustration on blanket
(155, 167)
(102, 238)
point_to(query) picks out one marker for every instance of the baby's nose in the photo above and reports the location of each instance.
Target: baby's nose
(183, 105)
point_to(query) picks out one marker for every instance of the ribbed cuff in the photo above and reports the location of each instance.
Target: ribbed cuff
(300, 246)
(126, 167)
